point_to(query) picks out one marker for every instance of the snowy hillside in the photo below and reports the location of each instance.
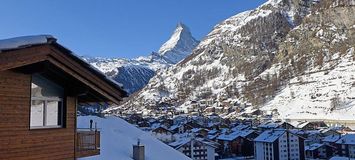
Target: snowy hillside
(256, 57)
(134, 74)
(118, 137)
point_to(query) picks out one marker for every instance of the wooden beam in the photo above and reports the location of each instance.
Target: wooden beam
(80, 69)
(64, 61)
(83, 80)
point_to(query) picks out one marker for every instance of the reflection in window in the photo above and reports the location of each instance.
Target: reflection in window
(46, 103)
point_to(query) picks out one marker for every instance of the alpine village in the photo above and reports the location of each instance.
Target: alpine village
(276, 82)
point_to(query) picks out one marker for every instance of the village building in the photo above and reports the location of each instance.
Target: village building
(237, 143)
(213, 134)
(319, 151)
(278, 144)
(41, 86)
(331, 139)
(306, 125)
(163, 134)
(177, 128)
(346, 146)
(200, 132)
(311, 136)
(191, 125)
(273, 125)
(196, 148)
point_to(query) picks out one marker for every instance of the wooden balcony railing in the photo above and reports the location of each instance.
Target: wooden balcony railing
(87, 143)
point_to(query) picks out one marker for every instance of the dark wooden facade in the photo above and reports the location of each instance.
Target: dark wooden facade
(17, 141)
(82, 85)
(240, 146)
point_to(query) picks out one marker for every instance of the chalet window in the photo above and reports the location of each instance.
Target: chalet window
(46, 103)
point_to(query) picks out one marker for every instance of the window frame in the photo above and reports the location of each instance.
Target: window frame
(61, 108)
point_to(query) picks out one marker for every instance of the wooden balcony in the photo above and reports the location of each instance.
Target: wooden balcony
(87, 143)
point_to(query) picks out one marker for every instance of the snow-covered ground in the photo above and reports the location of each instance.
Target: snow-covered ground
(310, 96)
(118, 137)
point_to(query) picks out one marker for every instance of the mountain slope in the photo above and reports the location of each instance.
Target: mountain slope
(254, 56)
(134, 74)
(320, 55)
(134, 77)
(179, 46)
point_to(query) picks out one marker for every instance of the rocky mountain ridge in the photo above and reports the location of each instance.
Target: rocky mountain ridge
(264, 60)
(135, 73)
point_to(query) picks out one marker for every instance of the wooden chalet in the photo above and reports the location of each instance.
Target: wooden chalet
(314, 125)
(162, 130)
(237, 143)
(319, 151)
(41, 85)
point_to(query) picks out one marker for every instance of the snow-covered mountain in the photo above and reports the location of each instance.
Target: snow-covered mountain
(289, 58)
(179, 46)
(134, 74)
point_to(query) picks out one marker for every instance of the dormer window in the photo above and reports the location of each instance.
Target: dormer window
(46, 103)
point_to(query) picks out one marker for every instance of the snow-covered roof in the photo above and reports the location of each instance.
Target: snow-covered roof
(240, 127)
(270, 124)
(339, 158)
(118, 136)
(270, 135)
(25, 41)
(331, 138)
(232, 136)
(297, 131)
(347, 139)
(211, 137)
(181, 142)
(173, 127)
(300, 124)
(313, 147)
(195, 130)
(212, 132)
(161, 127)
(157, 125)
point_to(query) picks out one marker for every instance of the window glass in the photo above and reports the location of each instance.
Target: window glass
(53, 108)
(37, 110)
(46, 103)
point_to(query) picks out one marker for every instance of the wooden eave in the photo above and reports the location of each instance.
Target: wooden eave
(66, 61)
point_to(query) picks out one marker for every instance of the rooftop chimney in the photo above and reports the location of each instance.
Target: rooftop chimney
(138, 151)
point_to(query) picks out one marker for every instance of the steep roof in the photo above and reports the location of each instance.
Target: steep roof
(270, 135)
(181, 142)
(232, 136)
(25, 41)
(331, 138)
(23, 51)
(315, 146)
(347, 139)
(240, 127)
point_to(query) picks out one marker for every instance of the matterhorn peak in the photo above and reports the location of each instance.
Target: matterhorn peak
(180, 44)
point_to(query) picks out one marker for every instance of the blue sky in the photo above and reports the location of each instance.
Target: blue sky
(114, 28)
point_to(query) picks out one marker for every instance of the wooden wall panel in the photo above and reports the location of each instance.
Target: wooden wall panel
(17, 141)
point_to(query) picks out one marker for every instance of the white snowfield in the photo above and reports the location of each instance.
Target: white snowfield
(118, 137)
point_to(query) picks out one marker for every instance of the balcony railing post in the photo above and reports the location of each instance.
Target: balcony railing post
(88, 142)
(95, 137)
